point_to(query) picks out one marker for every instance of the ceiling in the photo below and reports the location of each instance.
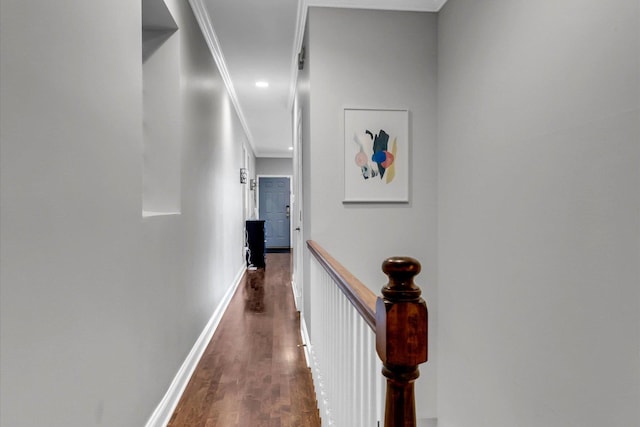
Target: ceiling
(258, 40)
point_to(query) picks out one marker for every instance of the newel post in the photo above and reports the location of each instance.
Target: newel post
(401, 338)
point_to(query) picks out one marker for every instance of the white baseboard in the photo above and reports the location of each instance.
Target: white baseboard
(306, 341)
(164, 410)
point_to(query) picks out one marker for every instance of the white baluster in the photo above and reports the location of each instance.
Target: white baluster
(346, 370)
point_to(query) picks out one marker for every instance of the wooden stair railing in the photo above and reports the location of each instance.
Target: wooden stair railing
(399, 320)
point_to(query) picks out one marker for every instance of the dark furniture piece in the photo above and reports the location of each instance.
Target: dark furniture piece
(254, 238)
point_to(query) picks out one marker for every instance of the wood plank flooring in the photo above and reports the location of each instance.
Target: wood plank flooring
(253, 373)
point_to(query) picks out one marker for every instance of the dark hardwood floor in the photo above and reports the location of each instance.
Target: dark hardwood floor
(253, 373)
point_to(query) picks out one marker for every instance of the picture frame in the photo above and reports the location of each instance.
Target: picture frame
(376, 155)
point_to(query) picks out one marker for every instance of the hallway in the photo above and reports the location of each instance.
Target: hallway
(253, 373)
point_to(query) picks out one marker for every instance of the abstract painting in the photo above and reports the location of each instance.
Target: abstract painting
(376, 155)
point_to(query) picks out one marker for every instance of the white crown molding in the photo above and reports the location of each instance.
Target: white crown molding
(439, 4)
(206, 26)
(408, 5)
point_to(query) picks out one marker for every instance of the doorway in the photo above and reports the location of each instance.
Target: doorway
(274, 207)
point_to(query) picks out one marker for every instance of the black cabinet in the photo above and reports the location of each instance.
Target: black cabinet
(255, 243)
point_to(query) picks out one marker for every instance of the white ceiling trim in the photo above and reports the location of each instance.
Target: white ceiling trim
(408, 5)
(206, 26)
(303, 7)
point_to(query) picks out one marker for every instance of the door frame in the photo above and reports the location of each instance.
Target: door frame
(290, 199)
(297, 244)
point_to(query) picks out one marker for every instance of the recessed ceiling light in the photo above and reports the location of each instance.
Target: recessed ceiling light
(262, 84)
(290, 148)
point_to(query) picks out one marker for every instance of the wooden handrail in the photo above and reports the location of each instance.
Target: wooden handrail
(356, 292)
(399, 319)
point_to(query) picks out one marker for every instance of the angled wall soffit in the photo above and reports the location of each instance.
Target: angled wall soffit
(157, 26)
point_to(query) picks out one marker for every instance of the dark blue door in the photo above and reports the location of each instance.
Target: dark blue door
(274, 210)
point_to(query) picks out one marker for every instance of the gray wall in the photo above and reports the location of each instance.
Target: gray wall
(373, 59)
(99, 306)
(539, 213)
(274, 166)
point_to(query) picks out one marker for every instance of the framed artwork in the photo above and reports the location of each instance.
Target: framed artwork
(376, 155)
